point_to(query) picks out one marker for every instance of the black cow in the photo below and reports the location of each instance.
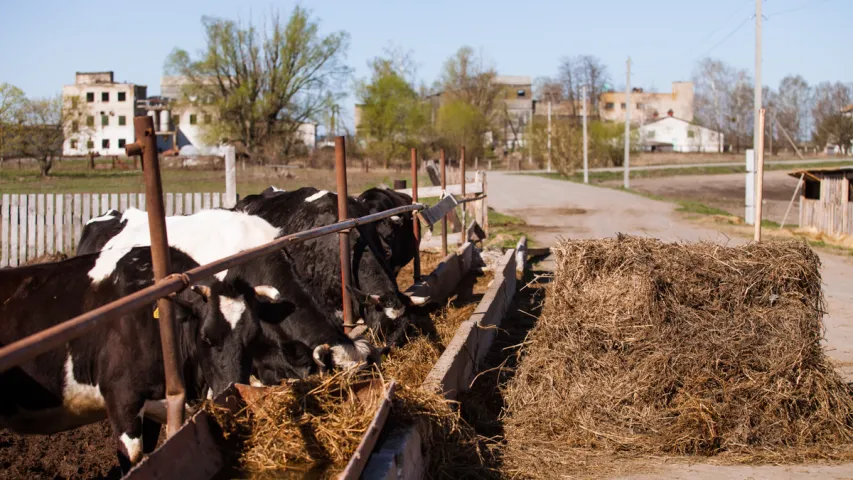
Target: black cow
(397, 231)
(117, 368)
(307, 326)
(228, 232)
(317, 261)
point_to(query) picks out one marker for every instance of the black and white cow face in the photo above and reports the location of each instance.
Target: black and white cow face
(229, 324)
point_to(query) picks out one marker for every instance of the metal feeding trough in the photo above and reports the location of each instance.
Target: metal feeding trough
(200, 451)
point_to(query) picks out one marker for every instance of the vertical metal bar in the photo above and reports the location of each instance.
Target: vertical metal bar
(416, 224)
(443, 191)
(146, 144)
(346, 259)
(759, 175)
(464, 205)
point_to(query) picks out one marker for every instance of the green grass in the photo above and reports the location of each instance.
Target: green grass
(509, 228)
(600, 177)
(74, 176)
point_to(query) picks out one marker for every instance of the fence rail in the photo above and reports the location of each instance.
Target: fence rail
(32, 225)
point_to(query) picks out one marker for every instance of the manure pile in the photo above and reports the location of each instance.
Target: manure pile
(651, 348)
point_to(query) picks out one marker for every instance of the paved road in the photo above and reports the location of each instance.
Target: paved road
(555, 208)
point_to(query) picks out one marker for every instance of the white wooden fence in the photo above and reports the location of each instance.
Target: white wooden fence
(32, 225)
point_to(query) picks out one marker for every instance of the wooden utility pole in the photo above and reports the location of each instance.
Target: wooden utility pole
(627, 162)
(585, 142)
(759, 174)
(549, 137)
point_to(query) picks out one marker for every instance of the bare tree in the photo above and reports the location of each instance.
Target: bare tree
(828, 100)
(593, 74)
(792, 103)
(549, 90)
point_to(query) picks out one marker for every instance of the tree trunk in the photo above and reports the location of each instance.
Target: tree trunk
(91, 161)
(45, 165)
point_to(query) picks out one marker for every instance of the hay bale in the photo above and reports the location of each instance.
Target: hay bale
(654, 348)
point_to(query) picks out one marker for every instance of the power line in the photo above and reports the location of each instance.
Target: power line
(797, 9)
(736, 29)
(728, 19)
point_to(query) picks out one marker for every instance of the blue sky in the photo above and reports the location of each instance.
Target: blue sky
(45, 41)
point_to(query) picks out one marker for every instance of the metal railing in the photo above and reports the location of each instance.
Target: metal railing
(166, 283)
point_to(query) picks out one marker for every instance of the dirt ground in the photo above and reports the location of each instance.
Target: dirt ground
(552, 210)
(87, 452)
(725, 192)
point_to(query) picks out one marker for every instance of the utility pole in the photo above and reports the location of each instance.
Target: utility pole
(528, 129)
(585, 146)
(549, 137)
(627, 162)
(757, 105)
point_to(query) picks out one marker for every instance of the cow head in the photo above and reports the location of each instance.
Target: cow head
(228, 323)
(275, 361)
(375, 308)
(358, 352)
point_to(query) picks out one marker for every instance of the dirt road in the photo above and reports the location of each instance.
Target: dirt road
(555, 208)
(725, 192)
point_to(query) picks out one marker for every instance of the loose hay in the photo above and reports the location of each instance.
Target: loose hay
(316, 425)
(652, 348)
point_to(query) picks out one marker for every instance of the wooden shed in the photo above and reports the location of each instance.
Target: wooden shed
(825, 199)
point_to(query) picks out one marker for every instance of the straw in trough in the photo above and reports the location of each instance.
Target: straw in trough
(646, 347)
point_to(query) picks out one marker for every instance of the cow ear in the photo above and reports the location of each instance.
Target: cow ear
(202, 290)
(363, 297)
(267, 293)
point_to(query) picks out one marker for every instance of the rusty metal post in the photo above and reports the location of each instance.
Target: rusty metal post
(416, 223)
(146, 145)
(443, 191)
(464, 207)
(346, 258)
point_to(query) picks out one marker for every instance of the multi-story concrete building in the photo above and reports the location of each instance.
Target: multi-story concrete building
(646, 106)
(107, 123)
(516, 110)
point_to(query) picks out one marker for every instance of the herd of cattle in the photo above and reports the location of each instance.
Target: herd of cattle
(276, 317)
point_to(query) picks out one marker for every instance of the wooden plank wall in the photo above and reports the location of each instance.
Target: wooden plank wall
(832, 213)
(32, 225)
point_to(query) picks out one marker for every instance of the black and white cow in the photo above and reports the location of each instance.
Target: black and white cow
(98, 231)
(396, 232)
(212, 234)
(116, 370)
(317, 261)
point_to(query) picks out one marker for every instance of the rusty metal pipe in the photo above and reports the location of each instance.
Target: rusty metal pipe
(55, 337)
(464, 210)
(344, 236)
(162, 262)
(443, 190)
(416, 224)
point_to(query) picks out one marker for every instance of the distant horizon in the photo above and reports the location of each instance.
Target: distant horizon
(45, 46)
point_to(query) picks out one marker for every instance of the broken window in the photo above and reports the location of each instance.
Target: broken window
(121, 142)
(122, 96)
(90, 97)
(105, 96)
(520, 93)
(105, 143)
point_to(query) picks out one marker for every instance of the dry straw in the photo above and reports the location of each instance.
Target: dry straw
(697, 349)
(313, 427)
